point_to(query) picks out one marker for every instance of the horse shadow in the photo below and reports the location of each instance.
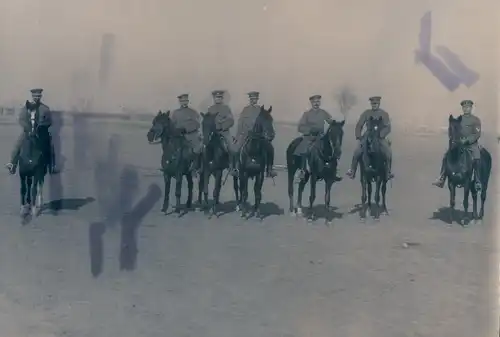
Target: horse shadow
(69, 204)
(443, 214)
(320, 212)
(267, 209)
(358, 207)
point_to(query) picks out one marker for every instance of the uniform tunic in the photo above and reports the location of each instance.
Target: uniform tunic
(311, 123)
(189, 120)
(471, 131)
(223, 121)
(386, 129)
(246, 122)
(44, 117)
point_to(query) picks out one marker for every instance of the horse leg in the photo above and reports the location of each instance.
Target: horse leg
(189, 202)
(291, 176)
(312, 197)
(475, 217)
(376, 209)
(25, 196)
(166, 179)
(34, 196)
(244, 194)
(206, 181)
(39, 198)
(384, 204)
(217, 189)
(237, 193)
(201, 183)
(328, 194)
(257, 190)
(178, 193)
(483, 201)
(453, 191)
(302, 185)
(369, 189)
(467, 189)
(362, 211)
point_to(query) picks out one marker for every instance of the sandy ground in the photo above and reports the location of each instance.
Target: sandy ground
(226, 277)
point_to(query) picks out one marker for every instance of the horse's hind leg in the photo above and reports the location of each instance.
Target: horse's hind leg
(475, 216)
(467, 190)
(363, 208)
(244, 194)
(25, 195)
(328, 195)
(189, 202)
(291, 175)
(237, 194)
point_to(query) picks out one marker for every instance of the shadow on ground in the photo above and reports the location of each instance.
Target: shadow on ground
(70, 204)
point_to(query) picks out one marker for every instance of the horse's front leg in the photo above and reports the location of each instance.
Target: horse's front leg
(300, 192)
(291, 176)
(237, 194)
(384, 204)
(216, 193)
(376, 209)
(25, 195)
(328, 194)
(167, 179)
(244, 193)
(257, 190)
(312, 197)
(453, 190)
(178, 192)
(363, 208)
(190, 184)
(201, 183)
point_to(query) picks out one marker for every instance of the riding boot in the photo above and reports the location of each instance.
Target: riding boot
(390, 175)
(270, 162)
(477, 174)
(442, 176)
(234, 164)
(196, 164)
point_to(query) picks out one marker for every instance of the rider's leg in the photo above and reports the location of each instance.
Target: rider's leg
(14, 156)
(442, 175)
(351, 173)
(231, 149)
(476, 165)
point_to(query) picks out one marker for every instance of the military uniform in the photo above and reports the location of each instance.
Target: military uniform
(246, 122)
(224, 121)
(41, 115)
(384, 144)
(471, 132)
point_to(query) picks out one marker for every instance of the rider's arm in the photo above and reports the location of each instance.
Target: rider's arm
(359, 125)
(241, 123)
(386, 121)
(328, 118)
(475, 132)
(304, 126)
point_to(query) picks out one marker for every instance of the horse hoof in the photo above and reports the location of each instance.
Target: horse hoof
(238, 208)
(164, 210)
(362, 220)
(385, 213)
(299, 212)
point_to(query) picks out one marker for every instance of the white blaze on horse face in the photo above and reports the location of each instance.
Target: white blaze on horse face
(32, 118)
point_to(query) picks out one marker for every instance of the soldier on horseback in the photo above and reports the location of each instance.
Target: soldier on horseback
(187, 121)
(224, 121)
(246, 123)
(311, 126)
(374, 112)
(33, 113)
(471, 132)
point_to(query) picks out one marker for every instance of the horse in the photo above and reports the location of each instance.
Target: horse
(175, 161)
(252, 164)
(215, 159)
(323, 159)
(373, 169)
(459, 171)
(35, 157)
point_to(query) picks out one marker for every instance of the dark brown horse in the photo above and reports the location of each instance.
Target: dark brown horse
(323, 159)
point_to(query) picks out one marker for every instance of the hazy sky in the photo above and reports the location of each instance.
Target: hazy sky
(286, 49)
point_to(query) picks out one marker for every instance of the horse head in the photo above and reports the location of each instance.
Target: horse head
(454, 132)
(161, 122)
(333, 138)
(208, 127)
(374, 127)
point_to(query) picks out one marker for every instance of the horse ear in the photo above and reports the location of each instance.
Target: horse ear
(159, 113)
(342, 123)
(202, 114)
(450, 119)
(459, 119)
(167, 113)
(270, 109)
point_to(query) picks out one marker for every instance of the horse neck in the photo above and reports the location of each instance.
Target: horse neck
(213, 147)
